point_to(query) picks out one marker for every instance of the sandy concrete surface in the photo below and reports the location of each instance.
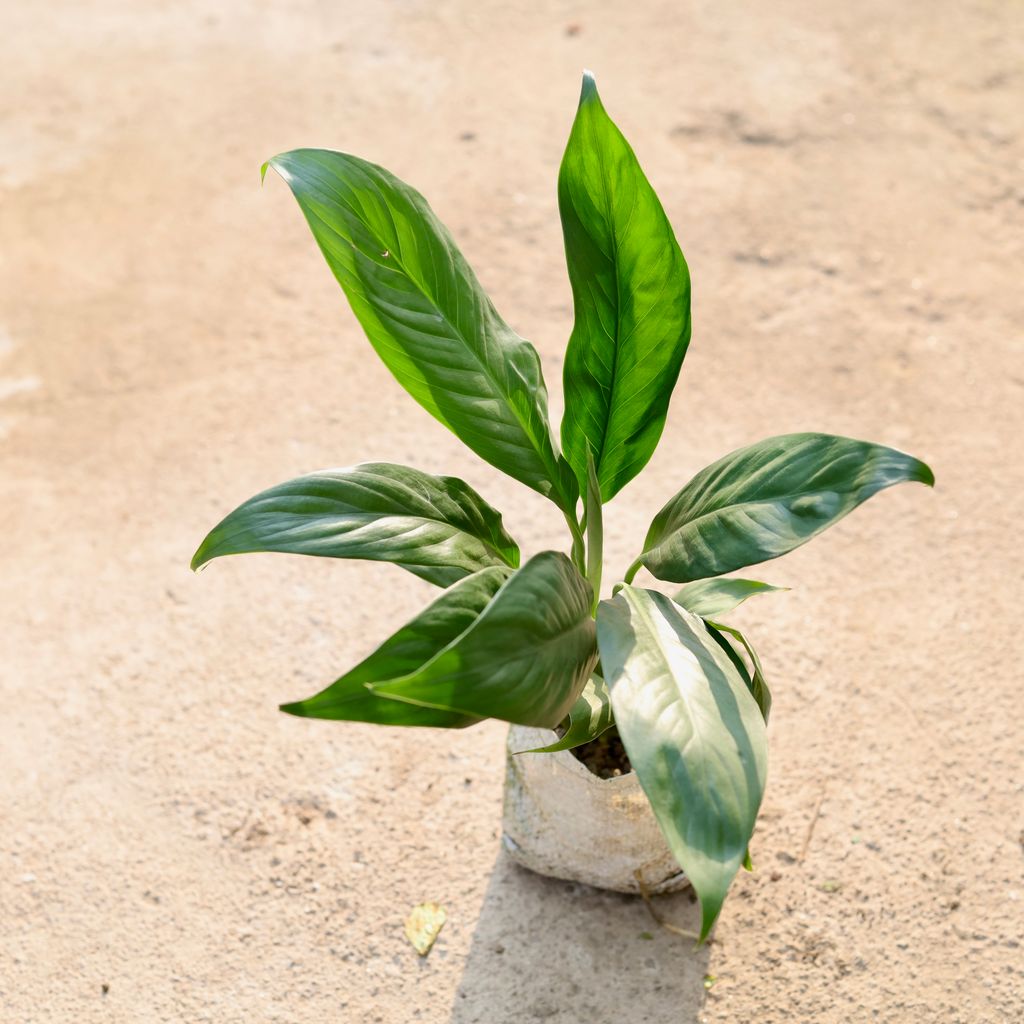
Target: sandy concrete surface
(846, 182)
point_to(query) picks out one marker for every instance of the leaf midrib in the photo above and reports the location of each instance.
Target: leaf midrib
(373, 517)
(609, 219)
(734, 505)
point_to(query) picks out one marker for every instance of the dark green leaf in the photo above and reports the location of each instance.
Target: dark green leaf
(437, 527)
(590, 716)
(525, 659)
(714, 597)
(411, 647)
(426, 314)
(631, 293)
(753, 676)
(734, 656)
(694, 734)
(762, 501)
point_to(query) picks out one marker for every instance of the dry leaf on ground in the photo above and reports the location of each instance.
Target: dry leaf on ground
(423, 925)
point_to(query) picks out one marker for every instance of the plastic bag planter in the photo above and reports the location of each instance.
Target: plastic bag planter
(562, 820)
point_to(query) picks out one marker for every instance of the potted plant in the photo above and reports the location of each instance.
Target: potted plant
(533, 642)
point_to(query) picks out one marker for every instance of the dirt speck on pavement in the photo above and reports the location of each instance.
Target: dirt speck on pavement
(845, 180)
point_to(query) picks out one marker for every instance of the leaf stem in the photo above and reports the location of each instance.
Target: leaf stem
(595, 532)
(578, 544)
(632, 571)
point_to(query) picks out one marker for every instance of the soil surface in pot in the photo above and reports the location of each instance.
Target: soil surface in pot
(606, 757)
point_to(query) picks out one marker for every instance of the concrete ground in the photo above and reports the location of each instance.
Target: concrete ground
(846, 182)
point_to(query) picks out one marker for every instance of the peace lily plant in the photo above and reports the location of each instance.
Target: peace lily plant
(533, 642)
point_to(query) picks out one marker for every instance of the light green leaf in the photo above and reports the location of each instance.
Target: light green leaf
(426, 314)
(760, 502)
(712, 598)
(525, 659)
(403, 652)
(590, 716)
(437, 527)
(694, 735)
(631, 294)
(753, 676)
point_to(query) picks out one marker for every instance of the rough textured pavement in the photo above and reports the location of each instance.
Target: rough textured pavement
(846, 183)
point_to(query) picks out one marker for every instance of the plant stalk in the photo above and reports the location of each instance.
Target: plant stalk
(594, 519)
(578, 543)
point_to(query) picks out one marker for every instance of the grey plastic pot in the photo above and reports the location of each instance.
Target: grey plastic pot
(562, 820)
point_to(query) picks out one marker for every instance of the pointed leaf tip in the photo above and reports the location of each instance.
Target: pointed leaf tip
(279, 163)
(710, 908)
(589, 87)
(350, 698)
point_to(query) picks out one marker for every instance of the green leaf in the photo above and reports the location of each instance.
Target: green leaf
(437, 527)
(760, 502)
(590, 716)
(753, 676)
(694, 735)
(714, 597)
(403, 652)
(631, 294)
(734, 656)
(427, 315)
(525, 659)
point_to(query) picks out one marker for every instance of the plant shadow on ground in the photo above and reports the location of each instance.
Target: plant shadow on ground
(547, 950)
